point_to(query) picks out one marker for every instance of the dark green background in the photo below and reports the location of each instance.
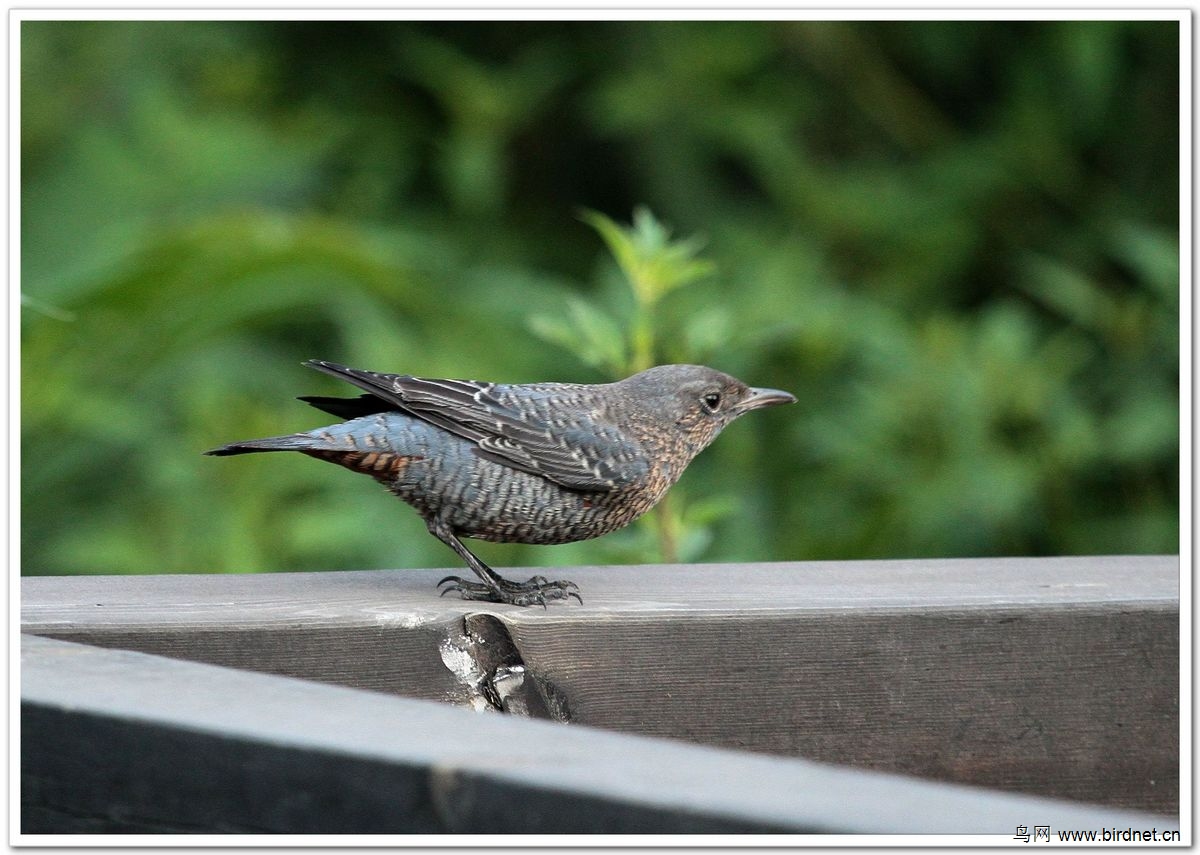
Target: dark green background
(956, 243)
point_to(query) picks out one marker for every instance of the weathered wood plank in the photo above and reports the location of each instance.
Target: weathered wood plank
(1051, 676)
(407, 597)
(121, 741)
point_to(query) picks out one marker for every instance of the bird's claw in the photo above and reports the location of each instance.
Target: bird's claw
(539, 582)
(536, 591)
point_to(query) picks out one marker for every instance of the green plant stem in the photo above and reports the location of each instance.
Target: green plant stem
(664, 524)
(642, 356)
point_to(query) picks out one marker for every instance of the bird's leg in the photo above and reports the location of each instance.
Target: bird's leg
(495, 588)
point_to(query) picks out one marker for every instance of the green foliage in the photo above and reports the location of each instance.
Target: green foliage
(943, 237)
(653, 265)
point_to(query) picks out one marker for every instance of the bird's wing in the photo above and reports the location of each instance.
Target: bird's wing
(348, 408)
(585, 455)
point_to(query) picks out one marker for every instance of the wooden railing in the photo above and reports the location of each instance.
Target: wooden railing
(1044, 680)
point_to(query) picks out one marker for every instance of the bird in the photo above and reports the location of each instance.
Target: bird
(538, 463)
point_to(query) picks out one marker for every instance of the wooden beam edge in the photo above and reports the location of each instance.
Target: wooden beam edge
(476, 764)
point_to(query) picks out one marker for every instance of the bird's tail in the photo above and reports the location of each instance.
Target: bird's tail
(338, 444)
(291, 442)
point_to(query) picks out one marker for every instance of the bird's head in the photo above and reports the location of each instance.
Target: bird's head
(697, 402)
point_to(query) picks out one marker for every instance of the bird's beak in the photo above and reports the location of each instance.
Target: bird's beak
(760, 398)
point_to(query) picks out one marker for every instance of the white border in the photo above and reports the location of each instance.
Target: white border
(1186, 436)
(12, 424)
(494, 10)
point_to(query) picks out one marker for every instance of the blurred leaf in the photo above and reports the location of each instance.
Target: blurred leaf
(588, 332)
(1152, 253)
(1069, 292)
(653, 264)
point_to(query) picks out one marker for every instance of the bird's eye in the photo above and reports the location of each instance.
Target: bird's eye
(711, 401)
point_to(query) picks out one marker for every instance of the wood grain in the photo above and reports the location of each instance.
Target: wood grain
(117, 741)
(1055, 676)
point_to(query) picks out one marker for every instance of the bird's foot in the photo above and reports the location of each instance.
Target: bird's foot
(536, 591)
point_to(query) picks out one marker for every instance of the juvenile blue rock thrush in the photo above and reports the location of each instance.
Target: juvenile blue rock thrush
(532, 463)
